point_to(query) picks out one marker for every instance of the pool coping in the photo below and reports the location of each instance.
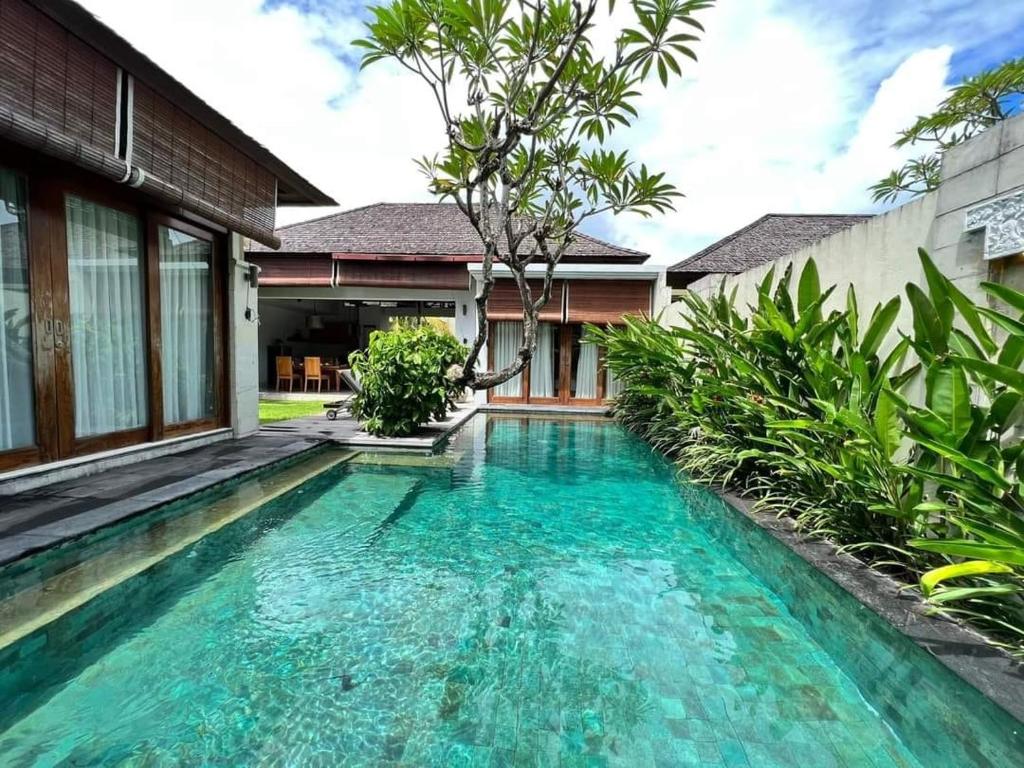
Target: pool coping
(961, 649)
(32, 541)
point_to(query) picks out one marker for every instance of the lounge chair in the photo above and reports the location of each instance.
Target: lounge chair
(351, 380)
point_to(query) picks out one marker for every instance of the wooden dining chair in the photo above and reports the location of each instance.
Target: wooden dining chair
(285, 372)
(312, 372)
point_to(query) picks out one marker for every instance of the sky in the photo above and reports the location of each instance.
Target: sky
(792, 107)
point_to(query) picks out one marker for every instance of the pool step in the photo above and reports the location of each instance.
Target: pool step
(46, 601)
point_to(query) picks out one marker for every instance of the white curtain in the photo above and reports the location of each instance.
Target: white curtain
(108, 347)
(507, 338)
(542, 369)
(17, 408)
(612, 384)
(586, 372)
(186, 326)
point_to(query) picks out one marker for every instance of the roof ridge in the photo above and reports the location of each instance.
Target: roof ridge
(718, 243)
(330, 215)
(708, 249)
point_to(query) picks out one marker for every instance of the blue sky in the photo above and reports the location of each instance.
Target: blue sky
(792, 108)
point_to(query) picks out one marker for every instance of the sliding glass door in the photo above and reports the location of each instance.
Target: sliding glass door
(17, 383)
(186, 325)
(107, 319)
(113, 320)
(564, 370)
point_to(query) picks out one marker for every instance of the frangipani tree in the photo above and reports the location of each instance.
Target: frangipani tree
(528, 103)
(973, 106)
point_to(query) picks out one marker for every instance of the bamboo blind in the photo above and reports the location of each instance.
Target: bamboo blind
(416, 274)
(54, 79)
(293, 270)
(58, 96)
(505, 303)
(607, 301)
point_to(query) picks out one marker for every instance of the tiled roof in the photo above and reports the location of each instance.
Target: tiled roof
(434, 229)
(772, 236)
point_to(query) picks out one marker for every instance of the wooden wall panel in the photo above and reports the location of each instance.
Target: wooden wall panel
(606, 301)
(51, 77)
(394, 274)
(294, 270)
(505, 302)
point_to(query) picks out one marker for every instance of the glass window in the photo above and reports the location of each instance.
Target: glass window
(506, 339)
(17, 396)
(108, 307)
(584, 367)
(544, 365)
(186, 326)
(612, 384)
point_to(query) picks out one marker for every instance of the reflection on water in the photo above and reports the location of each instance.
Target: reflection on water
(537, 597)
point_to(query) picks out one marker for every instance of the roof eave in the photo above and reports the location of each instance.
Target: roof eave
(293, 189)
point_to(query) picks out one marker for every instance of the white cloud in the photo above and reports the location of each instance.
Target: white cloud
(776, 116)
(771, 120)
(352, 135)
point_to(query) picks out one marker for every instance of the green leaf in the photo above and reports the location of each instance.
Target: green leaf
(1006, 294)
(887, 424)
(979, 469)
(809, 287)
(928, 329)
(881, 322)
(1001, 373)
(936, 576)
(947, 395)
(969, 548)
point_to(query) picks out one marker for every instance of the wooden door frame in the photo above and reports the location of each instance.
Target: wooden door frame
(218, 312)
(40, 294)
(47, 184)
(564, 397)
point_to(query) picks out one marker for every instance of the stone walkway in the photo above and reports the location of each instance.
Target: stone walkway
(43, 517)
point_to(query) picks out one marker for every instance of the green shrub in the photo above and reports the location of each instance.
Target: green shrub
(404, 378)
(806, 413)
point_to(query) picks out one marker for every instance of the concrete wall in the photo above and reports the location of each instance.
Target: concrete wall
(879, 256)
(243, 344)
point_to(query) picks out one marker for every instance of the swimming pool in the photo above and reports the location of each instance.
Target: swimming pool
(539, 594)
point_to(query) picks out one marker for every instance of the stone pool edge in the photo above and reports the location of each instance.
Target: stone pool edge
(34, 541)
(965, 652)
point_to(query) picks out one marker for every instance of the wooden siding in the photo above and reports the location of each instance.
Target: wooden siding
(607, 301)
(294, 270)
(398, 274)
(505, 302)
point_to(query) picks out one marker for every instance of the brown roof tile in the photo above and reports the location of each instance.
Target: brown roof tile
(419, 229)
(772, 236)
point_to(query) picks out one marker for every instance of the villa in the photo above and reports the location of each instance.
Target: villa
(760, 508)
(135, 222)
(128, 308)
(335, 279)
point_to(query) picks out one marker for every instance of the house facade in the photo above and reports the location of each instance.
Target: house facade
(128, 309)
(336, 279)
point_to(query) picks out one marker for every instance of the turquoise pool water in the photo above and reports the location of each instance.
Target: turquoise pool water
(540, 596)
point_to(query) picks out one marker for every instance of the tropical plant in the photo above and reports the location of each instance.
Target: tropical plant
(406, 379)
(969, 451)
(971, 107)
(527, 99)
(780, 404)
(808, 412)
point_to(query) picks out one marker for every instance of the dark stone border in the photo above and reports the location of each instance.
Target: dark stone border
(989, 669)
(108, 512)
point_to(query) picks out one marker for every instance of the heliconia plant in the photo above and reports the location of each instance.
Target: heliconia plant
(807, 411)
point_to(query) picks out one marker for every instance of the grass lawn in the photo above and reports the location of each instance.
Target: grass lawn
(280, 410)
